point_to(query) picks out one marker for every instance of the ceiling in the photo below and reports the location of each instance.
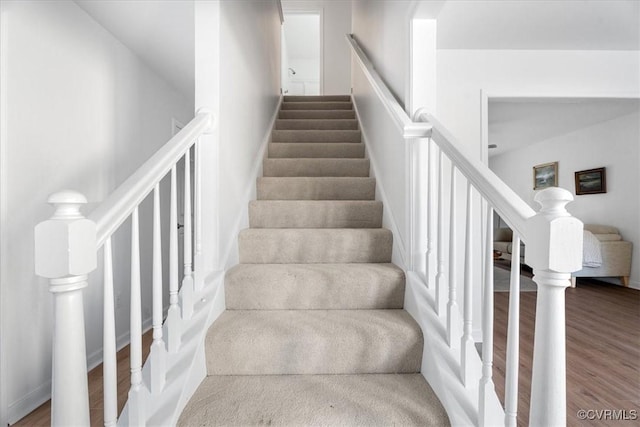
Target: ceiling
(539, 24)
(518, 122)
(160, 33)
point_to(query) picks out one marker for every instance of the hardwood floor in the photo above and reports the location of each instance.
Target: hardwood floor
(603, 350)
(42, 415)
(603, 355)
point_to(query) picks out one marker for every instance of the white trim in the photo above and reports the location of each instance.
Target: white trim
(256, 171)
(176, 126)
(28, 403)
(399, 253)
(312, 11)
(280, 12)
(4, 410)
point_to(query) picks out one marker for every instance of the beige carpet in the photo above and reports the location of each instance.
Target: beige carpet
(314, 333)
(315, 400)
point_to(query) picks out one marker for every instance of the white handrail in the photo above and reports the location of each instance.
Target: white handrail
(66, 262)
(554, 250)
(116, 208)
(409, 128)
(509, 205)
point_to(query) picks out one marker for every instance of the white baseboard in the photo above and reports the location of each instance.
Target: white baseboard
(22, 407)
(230, 253)
(440, 363)
(399, 254)
(32, 400)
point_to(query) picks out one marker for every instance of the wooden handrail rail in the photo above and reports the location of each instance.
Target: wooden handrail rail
(119, 205)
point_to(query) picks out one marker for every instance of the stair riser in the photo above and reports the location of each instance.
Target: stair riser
(316, 106)
(317, 150)
(315, 342)
(317, 98)
(317, 114)
(297, 246)
(316, 168)
(316, 136)
(315, 214)
(302, 188)
(314, 287)
(297, 124)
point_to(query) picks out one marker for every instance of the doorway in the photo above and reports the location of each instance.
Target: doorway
(302, 53)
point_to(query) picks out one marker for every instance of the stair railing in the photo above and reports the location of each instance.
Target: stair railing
(554, 250)
(67, 248)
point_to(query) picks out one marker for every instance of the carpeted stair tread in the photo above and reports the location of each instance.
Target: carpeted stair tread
(318, 150)
(316, 167)
(317, 114)
(315, 214)
(319, 124)
(286, 342)
(314, 287)
(316, 188)
(331, 105)
(316, 136)
(317, 98)
(314, 332)
(315, 400)
(314, 245)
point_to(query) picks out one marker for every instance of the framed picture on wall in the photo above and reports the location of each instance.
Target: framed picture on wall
(545, 175)
(591, 181)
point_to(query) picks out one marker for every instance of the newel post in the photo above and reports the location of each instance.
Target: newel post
(554, 250)
(65, 252)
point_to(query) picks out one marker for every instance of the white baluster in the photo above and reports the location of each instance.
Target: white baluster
(488, 399)
(468, 359)
(158, 355)
(198, 271)
(65, 252)
(109, 362)
(554, 251)
(136, 399)
(187, 289)
(513, 338)
(174, 322)
(440, 297)
(453, 311)
(430, 181)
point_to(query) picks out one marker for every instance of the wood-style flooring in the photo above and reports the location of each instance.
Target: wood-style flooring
(603, 350)
(42, 415)
(603, 355)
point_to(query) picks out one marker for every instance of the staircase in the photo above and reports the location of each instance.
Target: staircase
(314, 332)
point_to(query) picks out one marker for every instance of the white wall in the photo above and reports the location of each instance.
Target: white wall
(463, 74)
(613, 144)
(249, 88)
(336, 57)
(382, 29)
(82, 112)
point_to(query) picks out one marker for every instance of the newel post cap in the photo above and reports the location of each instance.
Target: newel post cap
(65, 244)
(555, 241)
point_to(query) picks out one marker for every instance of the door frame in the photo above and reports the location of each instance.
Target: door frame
(310, 11)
